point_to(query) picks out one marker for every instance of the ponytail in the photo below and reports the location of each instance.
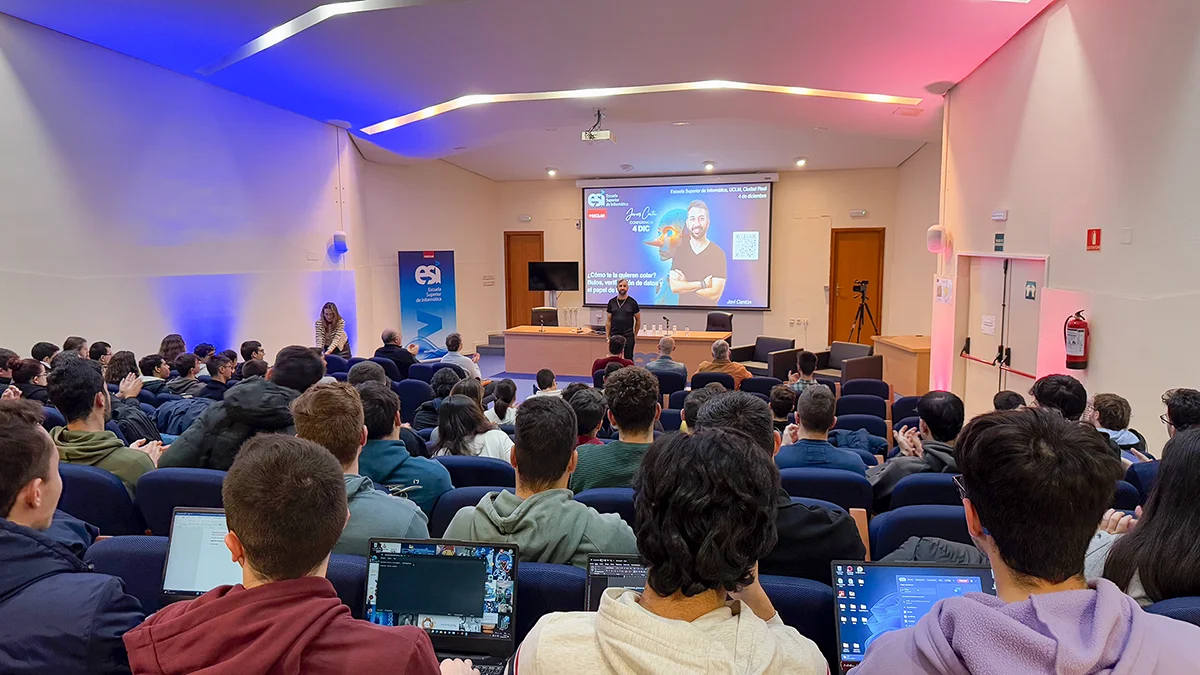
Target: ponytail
(505, 394)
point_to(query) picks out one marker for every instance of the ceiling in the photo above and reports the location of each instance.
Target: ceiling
(368, 67)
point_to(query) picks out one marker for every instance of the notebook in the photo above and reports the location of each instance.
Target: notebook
(197, 558)
(612, 571)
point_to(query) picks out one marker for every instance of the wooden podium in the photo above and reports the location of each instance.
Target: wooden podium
(905, 362)
(570, 351)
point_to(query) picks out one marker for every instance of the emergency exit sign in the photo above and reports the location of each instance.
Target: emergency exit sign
(1093, 239)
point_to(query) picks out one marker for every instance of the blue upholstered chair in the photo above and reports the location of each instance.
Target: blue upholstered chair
(336, 364)
(421, 371)
(889, 530)
(51, 418)
(671, 419)
(905, 406)
(439, 365)
(926, 488)
(675, 401)
(1142, 476)
(862, 404)
(340, 377)
(844, 488)
(864, 386)
(610, 500)
(355, 360)
(760, 384)
(1126, 497)
(545, 589)
(1180, 609)
(701, 379)
(829, 382)
(668, 382)
(148, 398)
(450, 502)
(389, 367)
(912, 422)
(348, 574)
(98, 497)
(876, 426)
(598, 378)
(412, 393)
(472, 471)
(161, 490)
(807, 606)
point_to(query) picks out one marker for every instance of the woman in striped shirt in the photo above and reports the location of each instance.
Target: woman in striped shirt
(331, 332)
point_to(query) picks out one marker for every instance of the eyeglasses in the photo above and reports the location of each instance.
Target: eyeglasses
(1163, 418)
(962, 489)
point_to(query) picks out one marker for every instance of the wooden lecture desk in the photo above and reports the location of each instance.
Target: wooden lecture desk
(905, 362)
(570, 351)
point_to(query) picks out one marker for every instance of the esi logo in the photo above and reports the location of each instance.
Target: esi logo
(596, 199)
(428, 274)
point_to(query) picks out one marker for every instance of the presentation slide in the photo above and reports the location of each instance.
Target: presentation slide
(679, 245)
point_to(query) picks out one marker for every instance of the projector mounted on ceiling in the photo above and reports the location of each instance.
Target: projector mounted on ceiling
(596, 133)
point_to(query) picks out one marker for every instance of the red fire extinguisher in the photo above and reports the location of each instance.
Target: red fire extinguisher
(1075, 334)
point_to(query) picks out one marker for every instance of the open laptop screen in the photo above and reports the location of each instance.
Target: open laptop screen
(612, 571)
(871, 599)
(197, 558)
(462, 594)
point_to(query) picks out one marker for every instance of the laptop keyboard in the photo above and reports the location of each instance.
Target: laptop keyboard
(493, 669)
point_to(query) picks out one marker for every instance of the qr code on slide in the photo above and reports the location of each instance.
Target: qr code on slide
(745, 245)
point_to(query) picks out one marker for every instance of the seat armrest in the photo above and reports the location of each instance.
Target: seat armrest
(742, 353)
(781, 362)
(869, 367)
(860, 522)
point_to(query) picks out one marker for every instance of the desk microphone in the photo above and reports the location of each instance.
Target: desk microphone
(666, 326)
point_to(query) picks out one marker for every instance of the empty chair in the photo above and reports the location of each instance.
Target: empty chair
(864, 386)
(161, 490)
(676, 400)
(719, 322)
(412, 394)
(136, 560)
(1142, 476)
(598, 379)
(701, 379)
(671, 419)
(875, 426)
(389, 367)
(769, 356)
(547, 588)
(1180, 609)
(473, 471)
(760, 384)
(905, 406)
(450, 502)
(926, 488)
(98, 497)
(609, 500)
(912, 422)
(844, 488)
(805, 605)
(668, 382)
(862, 404)
(889, 530)
(336, 364)
(421, 371)
(544, 316)
(1126, 497)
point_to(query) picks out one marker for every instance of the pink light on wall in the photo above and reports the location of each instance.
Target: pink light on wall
(942, 350)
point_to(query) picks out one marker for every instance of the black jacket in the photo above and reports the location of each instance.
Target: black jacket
(34, 392)
(938, 458)
(426, 416)
(413, 443)
(399, 356)
(213, 390)
(155, 387)
(132, 420)
(934, 550)
(811, 537)
(254, 406)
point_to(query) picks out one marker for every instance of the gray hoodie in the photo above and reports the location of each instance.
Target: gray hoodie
(549, 527)
(376, 514)
(938, 458)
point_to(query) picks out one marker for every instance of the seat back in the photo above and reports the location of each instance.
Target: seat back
(668, 382)
(438, 366)
(355, 360)
(807, 606)
(862, 404)
(148, 398)
(98, 497)
(926, 488)
(1126, 497)
(450, 502)
(51, 418)
(760, 384)
(161, 490)
(336, 364)
(676, 400)
(389, 367)
(598, 378)
(832, 384)
(868, 387)
(763, 346)
(412, 394)
(719, 322)
(875, 426)
(610, 500)
(544, 316)
(840, 351)
(1180, 609)
(905, 406)
(701, 379)
(671, 419)
(889, 530)
(545, 589)
(1142, 476)
(844, 488)
(136, 560)
(913, 422)
(421, 371)
(348, 574)
(340, 377)
(475, 471)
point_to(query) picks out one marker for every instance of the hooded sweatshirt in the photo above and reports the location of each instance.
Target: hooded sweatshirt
(389, 462)
(548, 527)
(938, 458)
(103, 450)
(280, 628)
(1099, 631)
(623, 637)
(185, 387)
(376, 514)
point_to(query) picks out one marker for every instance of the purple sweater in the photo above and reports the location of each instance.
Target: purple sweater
(1100, 631)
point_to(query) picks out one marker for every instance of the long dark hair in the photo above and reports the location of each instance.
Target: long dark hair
(460, 419)
(505, 394)
(1163, 549)
(171, 347)
(121, 364)
(470, 387)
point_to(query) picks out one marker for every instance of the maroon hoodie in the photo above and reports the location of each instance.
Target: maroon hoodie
(281, 628)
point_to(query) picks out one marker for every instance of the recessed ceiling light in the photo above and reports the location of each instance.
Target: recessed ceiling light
(551, 129)
(627, 167)
(801, 162)
(460, 147)
(709, 166)
(551, 171)
(681, 123)
(820, 128)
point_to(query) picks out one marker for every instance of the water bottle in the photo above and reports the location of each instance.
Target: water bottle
(674, 328)
(687, 330)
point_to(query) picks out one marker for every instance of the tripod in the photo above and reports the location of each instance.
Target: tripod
(864, 309)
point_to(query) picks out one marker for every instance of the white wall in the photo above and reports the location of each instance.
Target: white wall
(1086, 119)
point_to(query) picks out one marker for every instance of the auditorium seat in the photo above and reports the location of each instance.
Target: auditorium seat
(926, 488)
(389, 367)
(676, 400)
(905, 406)
(700, 380)
(844, 488)
(807, 606)
(912, 422)
(545, 589)
(348, 574)
(412, 394)
(668, 383)
(875, 426)
(1180, 609)
(340, 377)
(862, 404)
(438, 366)
(598, 378)
(98, 497)
(451, 501)
(610, 500)
(1126, 496)
(768, 356)
(51, 418)
(421, 371)
(889, 530)
(867, 387)
(832, 384)
(335, 364)
(1142, 476)
(473, 471)
(760, 384)
(354, 360)
(161, 490)
(671, 419)
(148, 398)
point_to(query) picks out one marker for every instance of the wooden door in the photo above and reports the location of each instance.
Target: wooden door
(855, 254)
(520, 249)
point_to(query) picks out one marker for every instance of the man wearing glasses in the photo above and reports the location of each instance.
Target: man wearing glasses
(1183, 410)
(927, 449)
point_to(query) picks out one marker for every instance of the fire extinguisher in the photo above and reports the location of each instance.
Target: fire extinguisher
(1075, 334)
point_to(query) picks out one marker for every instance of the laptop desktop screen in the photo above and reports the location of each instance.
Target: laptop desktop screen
(451, 590)
(872, 599)
(612, 571)
(197, 559)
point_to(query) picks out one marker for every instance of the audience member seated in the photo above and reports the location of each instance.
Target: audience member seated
(469, 364)
(394, 456)
(1183, 410)
(121, 365)
(426, 416)
(612, 367)
(616, 354)
(251, 350)
(574, 388)
(232, 356)
(29, 376)
(504, 403)
(255, 368)
(547, 385)
(706, 508)
(590, 409)
(695, 400)
(186, 384)
(810, 537)
(77, 389)
(1110, 414)
(331, 415)
(254, 406)
(58, 615)
(1158, 559)
(633, 407)
(802, 378)
(1062, 393)
(367, 371)
(396, 352)
(463, 430)
(783, 401)
(155, 371)
(721, 364)
(927, 449)
(471, 388)
(285, 504)
(171, 347)
(1008, 400)
(807, 441)
(100, 352)
(542, 518)
(7, 356)
(663, 362)
(1034, 486)
(330, 331)
(76, 344)
(203, 353)
(220, 371)
(44, 351)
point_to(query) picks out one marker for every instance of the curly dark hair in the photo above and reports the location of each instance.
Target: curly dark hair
(121, 364)
(443, 381)
(632, 396)
(705, 505)
(73, 386)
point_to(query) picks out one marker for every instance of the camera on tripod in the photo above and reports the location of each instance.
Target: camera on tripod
(860, 285)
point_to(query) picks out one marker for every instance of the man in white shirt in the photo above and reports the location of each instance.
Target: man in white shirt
(546, 384)
(469, 364)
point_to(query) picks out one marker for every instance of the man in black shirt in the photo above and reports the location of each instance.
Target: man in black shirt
(401, 356)
(624, 317)
(699, 264)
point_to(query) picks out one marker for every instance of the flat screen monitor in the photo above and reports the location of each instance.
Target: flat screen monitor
(553, 276)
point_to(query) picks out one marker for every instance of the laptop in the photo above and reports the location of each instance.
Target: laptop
(606, 571)
(462, 594)
(871, 599)
(197, 559)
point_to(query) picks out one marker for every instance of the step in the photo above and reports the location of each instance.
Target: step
(495, 339)
(490, 350)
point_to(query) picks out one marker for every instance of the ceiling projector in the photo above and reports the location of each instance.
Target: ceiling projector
(599, 135)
